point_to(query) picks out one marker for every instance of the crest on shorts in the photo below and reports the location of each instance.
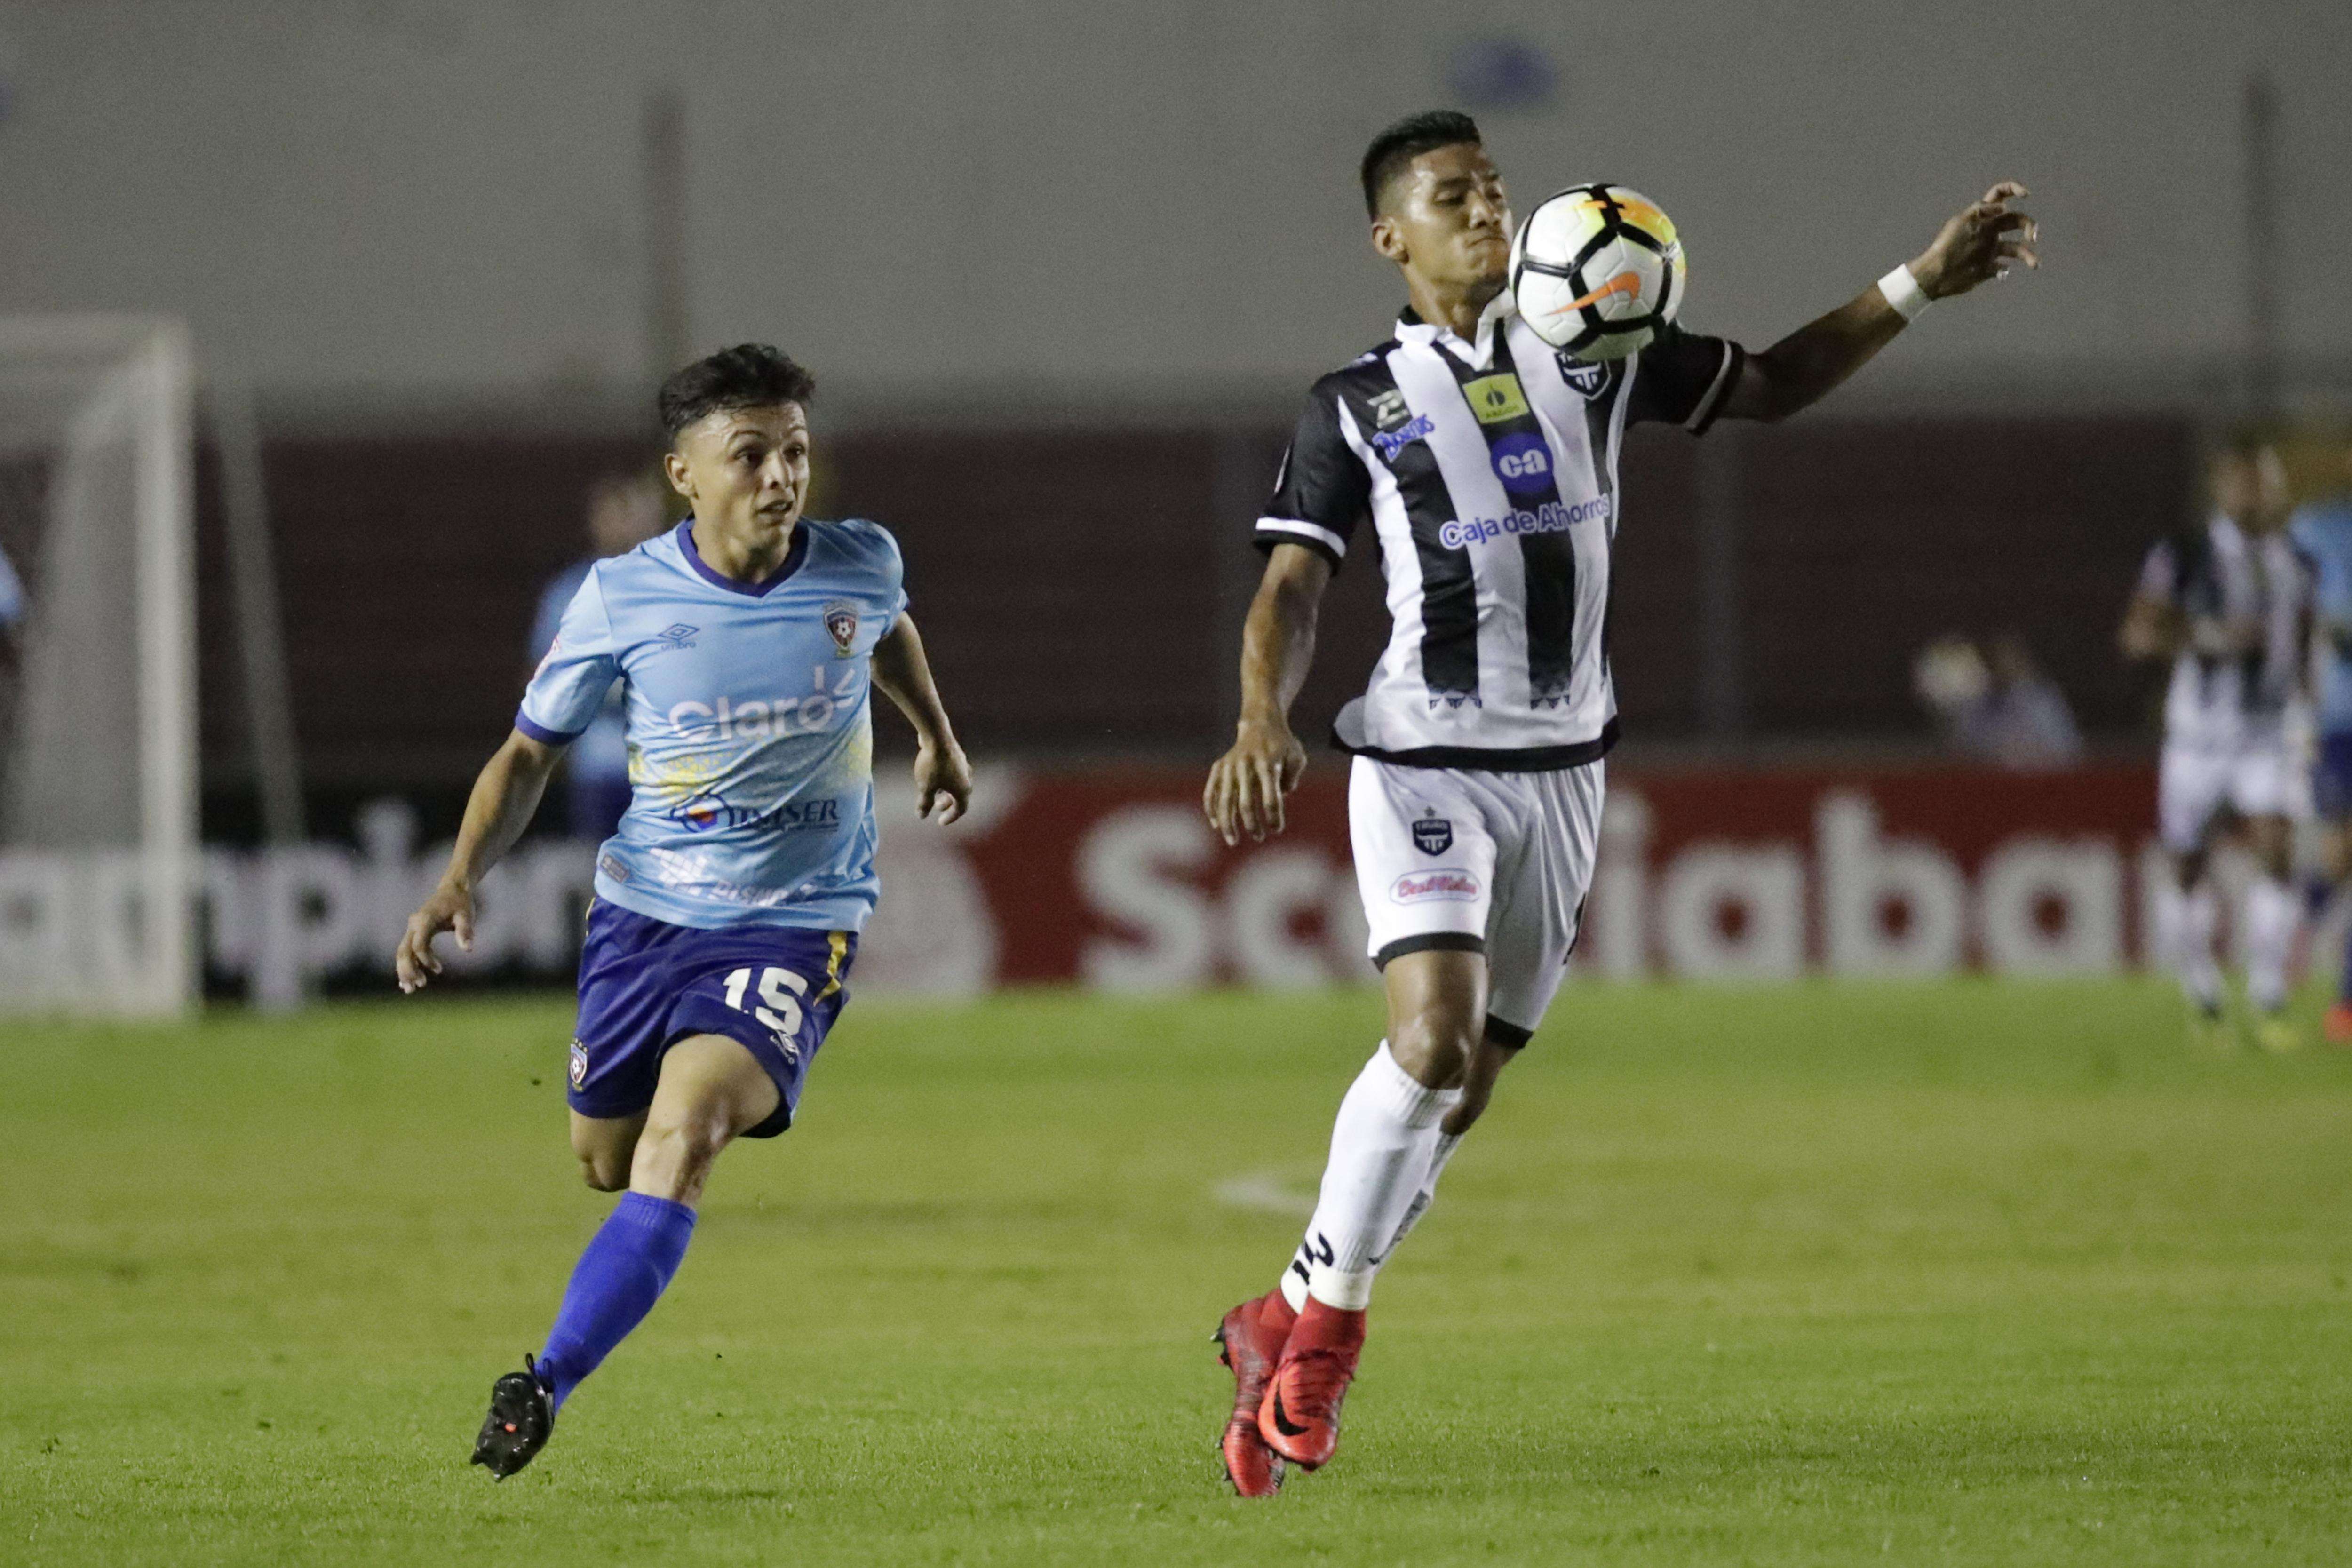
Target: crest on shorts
(1432, 835)
(841, 620)
(579, 1064)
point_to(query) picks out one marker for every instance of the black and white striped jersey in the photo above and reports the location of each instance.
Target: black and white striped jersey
(1489, 472)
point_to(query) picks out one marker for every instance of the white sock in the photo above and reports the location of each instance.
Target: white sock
(2184, 933)
(1438, 1155)
(2272, 913)
(1382, 1149)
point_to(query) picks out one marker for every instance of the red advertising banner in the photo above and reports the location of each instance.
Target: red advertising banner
(1111, 878)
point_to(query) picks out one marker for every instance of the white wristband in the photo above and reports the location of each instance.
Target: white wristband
(1903, 292)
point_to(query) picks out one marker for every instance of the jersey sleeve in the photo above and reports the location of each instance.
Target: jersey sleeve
(1322, 491)
(579, 666)
(1682, 378)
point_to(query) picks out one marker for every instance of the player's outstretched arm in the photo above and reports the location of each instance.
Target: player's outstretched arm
(1979, 243)
(504, 797)
(942, 774)
(1247, 784)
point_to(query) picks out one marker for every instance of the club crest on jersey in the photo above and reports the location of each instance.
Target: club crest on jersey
(841, 621)
(1431, 834)
(1585, 379)
(1495, 398)
(579, 1064)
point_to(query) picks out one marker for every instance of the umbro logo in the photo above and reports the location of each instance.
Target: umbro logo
(677, 635)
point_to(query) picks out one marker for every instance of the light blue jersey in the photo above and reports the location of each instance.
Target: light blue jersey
(2323, 533)
(749, 729)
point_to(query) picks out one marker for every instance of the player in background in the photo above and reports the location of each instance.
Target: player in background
(1486, 465)
(623, 511)
(2225, 603)
(2322, 532)
(728, 902)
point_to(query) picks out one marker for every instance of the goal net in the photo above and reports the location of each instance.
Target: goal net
(98, 736)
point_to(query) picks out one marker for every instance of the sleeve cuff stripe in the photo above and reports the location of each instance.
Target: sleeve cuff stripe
(543, 734)
(1324, 536)
(1704, 415)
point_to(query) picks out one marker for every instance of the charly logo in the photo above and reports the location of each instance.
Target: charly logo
(1524, 464)
(677, 635)
(1391, 442)
(579, 1064)
(1585, 379)
(841, 620)
(1388, 410)
(1431, 834)
(1440, 886)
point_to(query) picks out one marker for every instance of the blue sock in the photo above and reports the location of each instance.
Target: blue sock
(626, 1267)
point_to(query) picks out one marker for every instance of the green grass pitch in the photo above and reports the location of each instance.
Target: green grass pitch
(1923, 1273)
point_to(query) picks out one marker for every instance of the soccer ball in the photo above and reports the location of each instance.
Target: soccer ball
(1597, 270)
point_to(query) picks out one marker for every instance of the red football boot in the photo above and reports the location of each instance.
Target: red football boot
(1300, 1417)
(2338, 1026)
(1250, 1342)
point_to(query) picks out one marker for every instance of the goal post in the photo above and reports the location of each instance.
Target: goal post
(98, 853)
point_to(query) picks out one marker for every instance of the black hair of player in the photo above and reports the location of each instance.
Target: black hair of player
(1393, 150)
(748, 375)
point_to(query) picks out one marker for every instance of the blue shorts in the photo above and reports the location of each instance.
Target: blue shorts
(2331, 778)
(645, 984)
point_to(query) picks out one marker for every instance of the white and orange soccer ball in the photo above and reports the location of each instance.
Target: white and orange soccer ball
(1597, 270)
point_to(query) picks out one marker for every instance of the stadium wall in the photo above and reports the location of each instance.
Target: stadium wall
(1008, 203)
(1082, 590)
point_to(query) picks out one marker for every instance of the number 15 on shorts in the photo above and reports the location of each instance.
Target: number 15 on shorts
(781, 990)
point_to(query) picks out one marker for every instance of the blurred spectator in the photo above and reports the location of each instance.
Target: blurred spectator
(1996, 705)
(623, 511)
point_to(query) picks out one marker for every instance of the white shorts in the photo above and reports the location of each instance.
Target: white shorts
(2193, 784)
(1480, 862)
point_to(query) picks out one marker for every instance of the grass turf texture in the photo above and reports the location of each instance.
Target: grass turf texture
(1945, 1273)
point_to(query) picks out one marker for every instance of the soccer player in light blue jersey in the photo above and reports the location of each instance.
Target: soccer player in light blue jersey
(2322, 531)
(727, 905)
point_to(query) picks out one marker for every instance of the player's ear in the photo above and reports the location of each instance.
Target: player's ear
(674, 469)
(1388, 240)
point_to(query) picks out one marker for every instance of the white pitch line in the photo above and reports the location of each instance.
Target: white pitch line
(1263, 1192)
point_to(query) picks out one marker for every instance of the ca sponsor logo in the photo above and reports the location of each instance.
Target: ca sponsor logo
(1523, 463)
(1391, 442)
(1551, 517)
(1440, 886)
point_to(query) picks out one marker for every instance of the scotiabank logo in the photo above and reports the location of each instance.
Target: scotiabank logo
(1434, 887)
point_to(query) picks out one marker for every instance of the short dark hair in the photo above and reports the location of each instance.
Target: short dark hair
(1393, 150)
(748, 375)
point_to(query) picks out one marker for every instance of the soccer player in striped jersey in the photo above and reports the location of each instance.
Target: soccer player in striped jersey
(2226, 604)
(749, 640)
(2322, 532)
(1483, 465)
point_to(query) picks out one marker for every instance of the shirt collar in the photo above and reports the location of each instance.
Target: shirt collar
(1477, 353)
(703, 569)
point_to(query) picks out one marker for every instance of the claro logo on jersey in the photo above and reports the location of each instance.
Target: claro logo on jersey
(1552, 517)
